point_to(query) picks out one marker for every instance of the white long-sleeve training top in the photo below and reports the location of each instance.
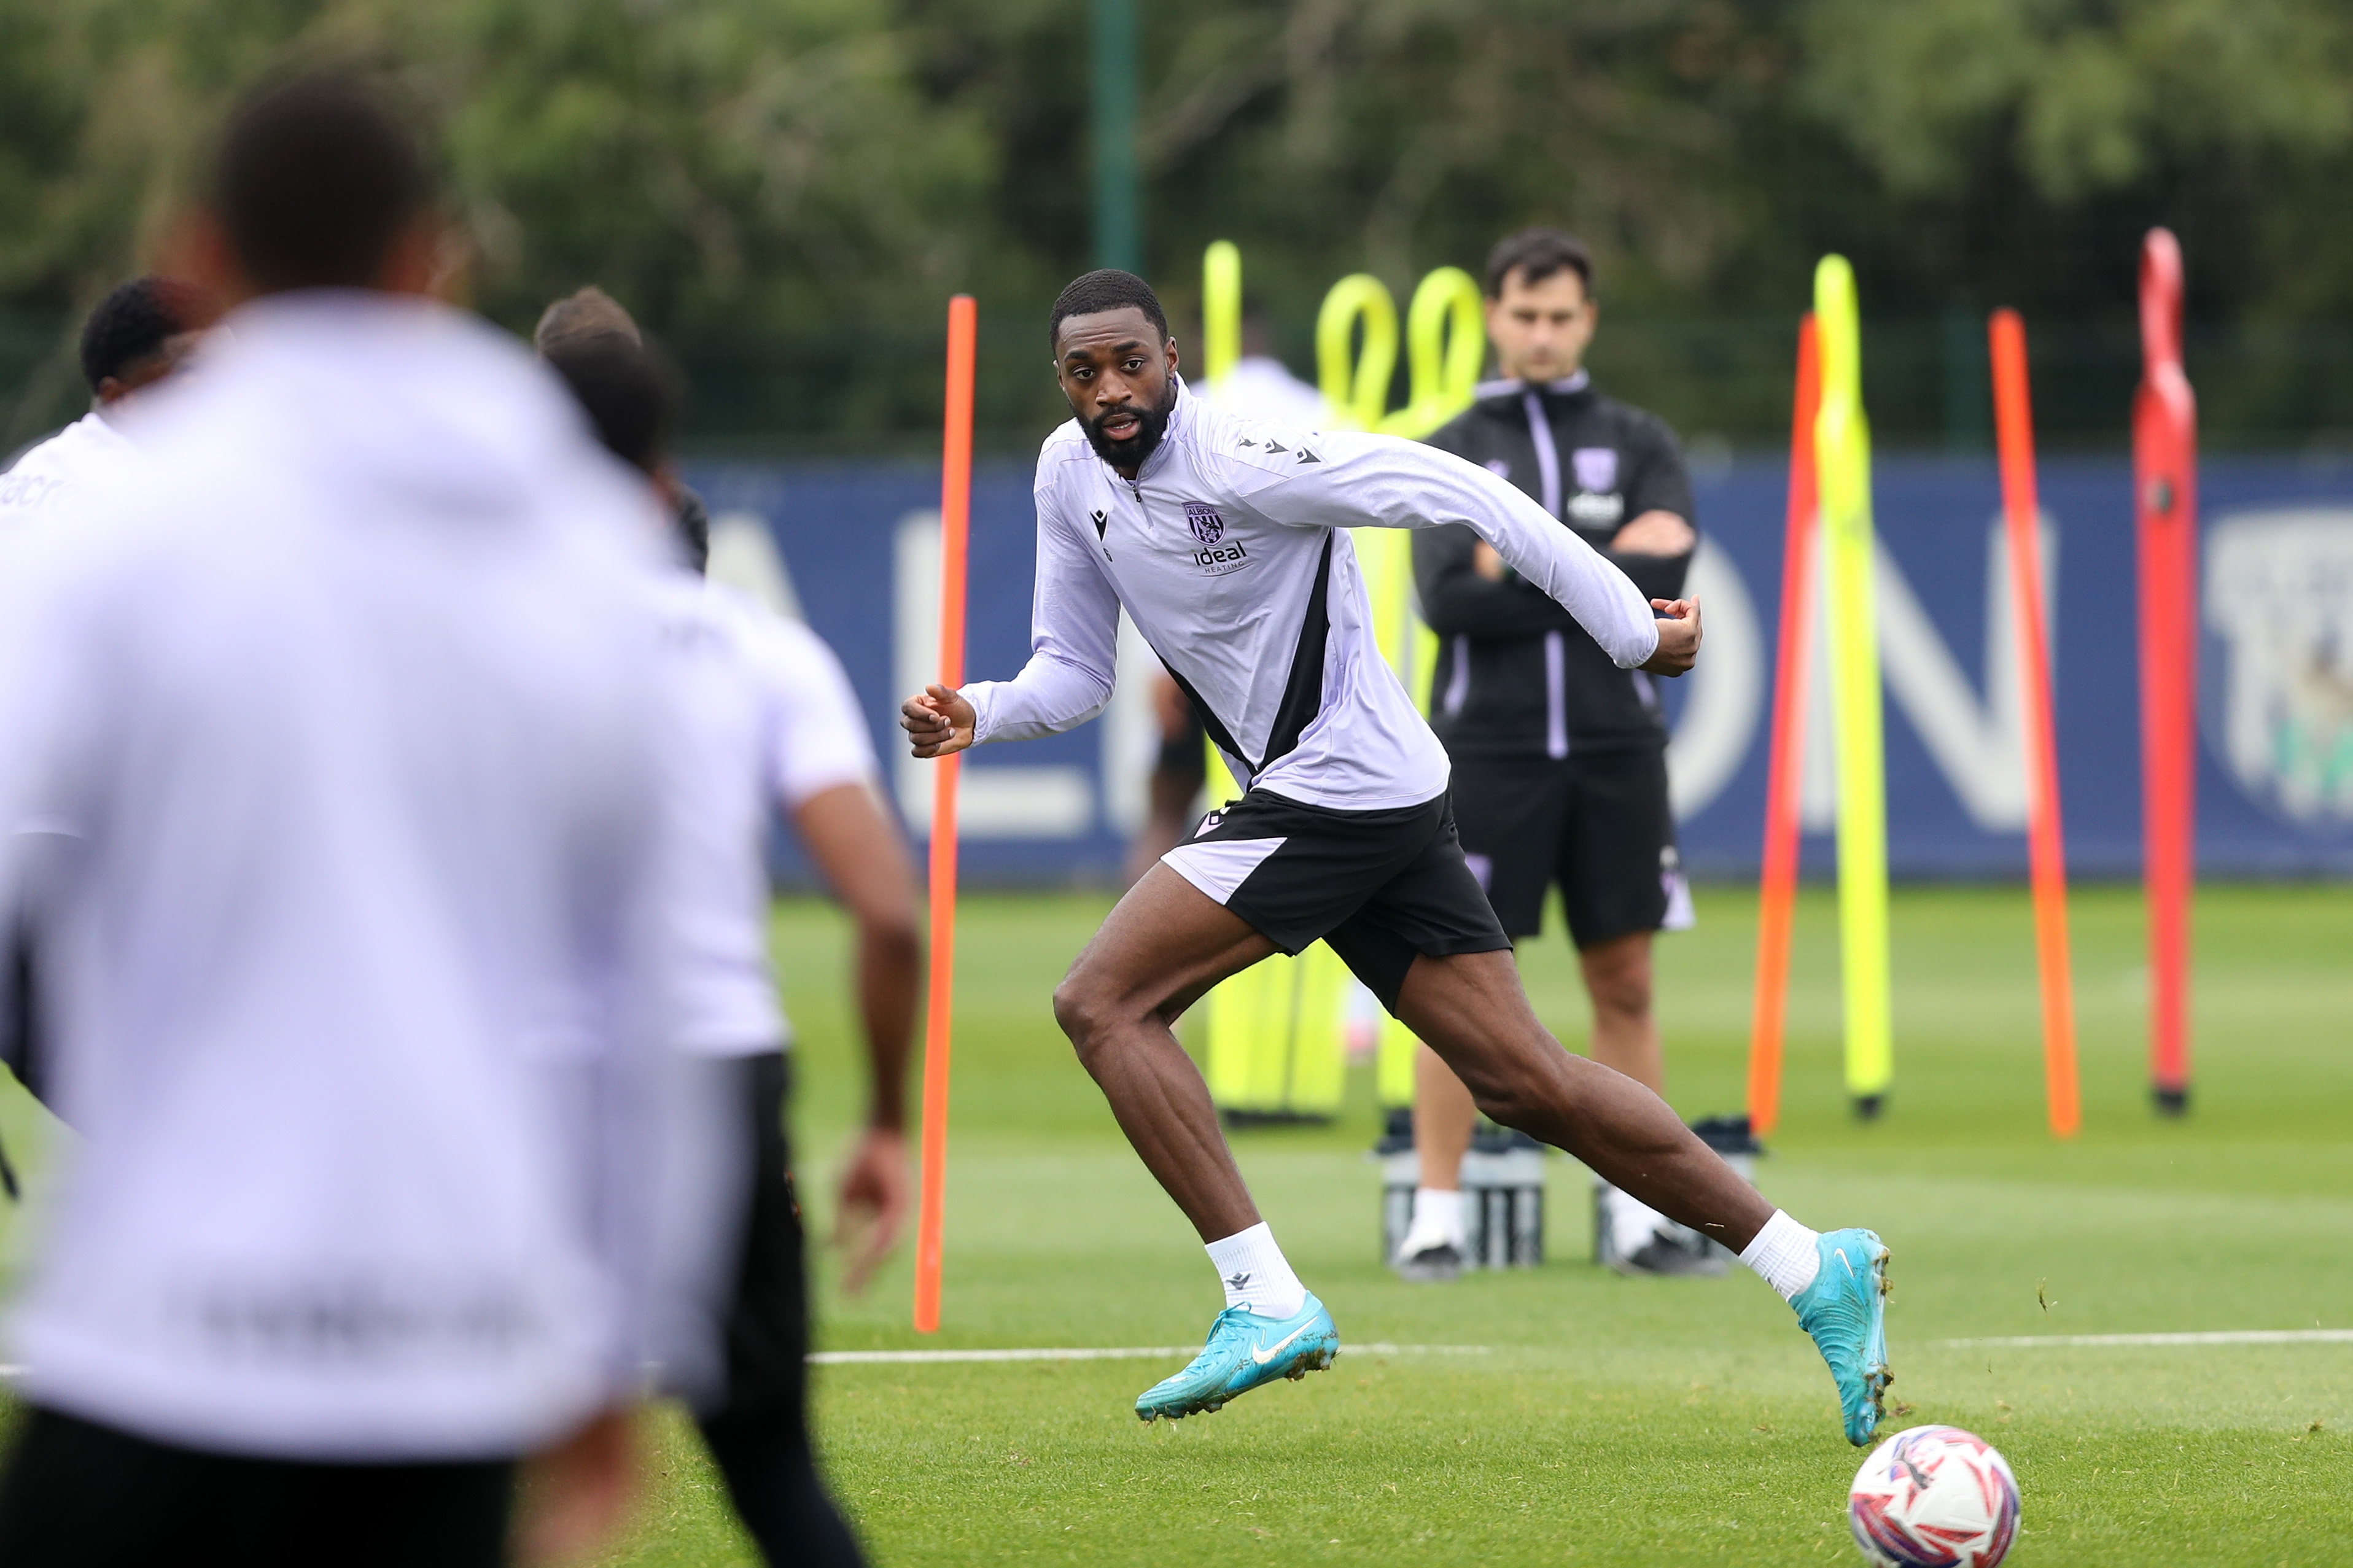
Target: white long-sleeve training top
(355, 710)
(1229, 551)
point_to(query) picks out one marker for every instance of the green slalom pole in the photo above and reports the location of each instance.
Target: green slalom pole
(1842, 458)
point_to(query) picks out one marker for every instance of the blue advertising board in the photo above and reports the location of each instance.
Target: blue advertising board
(857, 547)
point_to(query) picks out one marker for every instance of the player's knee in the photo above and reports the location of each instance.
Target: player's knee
(1084, 1007)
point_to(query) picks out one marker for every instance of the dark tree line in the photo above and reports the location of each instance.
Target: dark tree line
(788, 188)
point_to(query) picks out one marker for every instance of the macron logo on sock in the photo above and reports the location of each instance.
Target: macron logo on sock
(1236, 1281)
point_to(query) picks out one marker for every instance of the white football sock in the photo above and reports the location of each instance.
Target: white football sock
(1436, 1220)
(1255, 1273)
(1784, 1255)
(1632, 1222)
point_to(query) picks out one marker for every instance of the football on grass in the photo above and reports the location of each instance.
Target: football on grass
(1933, 1497)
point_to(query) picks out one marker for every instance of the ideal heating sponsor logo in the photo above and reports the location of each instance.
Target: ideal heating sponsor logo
(2278, 665)
(1213, 558)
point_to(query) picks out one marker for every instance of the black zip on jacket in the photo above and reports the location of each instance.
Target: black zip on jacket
(1515, 676)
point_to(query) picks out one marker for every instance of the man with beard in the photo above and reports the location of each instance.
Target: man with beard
(1225, 541)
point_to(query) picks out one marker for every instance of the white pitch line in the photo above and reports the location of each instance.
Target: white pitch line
(1130, 1353)
(2220, 1337)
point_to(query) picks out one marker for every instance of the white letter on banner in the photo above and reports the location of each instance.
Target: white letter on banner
(1979, 745)
(993, 801)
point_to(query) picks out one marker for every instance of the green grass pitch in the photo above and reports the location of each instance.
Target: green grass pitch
(1615, 1421)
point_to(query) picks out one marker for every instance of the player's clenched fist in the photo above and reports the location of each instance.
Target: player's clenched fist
(938, 722)
(1678, 636)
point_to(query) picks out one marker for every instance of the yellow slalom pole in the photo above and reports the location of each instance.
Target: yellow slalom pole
(1356, 384)
(1445, 339)
(1221, 310)
(1843, 460)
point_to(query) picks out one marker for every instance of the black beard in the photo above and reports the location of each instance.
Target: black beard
(1151, 425)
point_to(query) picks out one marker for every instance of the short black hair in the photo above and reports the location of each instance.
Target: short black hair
(316, 175)
(630, 392)
(135, 319)
(1104, 288)
(1536, 254)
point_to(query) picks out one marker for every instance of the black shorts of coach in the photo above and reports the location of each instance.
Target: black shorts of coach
(1378, 888)
(1597, 824)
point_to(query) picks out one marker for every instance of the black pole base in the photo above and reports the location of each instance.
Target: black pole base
(2171, 1101)
(1867, 1107)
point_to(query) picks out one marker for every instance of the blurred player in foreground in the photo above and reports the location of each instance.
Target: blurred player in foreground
(784, 732)
(138, 335)
(1225, 540)
(1560, 756)
(359, 983)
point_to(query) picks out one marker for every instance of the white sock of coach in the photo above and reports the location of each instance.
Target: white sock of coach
(1436, 1220)
(1784, 1255)
(1256, 1274)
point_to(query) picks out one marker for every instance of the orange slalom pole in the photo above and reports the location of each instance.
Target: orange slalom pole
(2046, 847)
(1777, 889)
(955, 518)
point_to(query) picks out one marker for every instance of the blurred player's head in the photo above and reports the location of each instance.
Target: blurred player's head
(320, 183)
(1540, 307)
(1116, 363)
(631, 395)
(586, 312)
(140, 333)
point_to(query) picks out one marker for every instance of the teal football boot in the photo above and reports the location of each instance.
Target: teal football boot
(1845, 1310)
(1244, 1351)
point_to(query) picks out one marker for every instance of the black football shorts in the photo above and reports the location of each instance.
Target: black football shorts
(1598, 823)
(1378, 886)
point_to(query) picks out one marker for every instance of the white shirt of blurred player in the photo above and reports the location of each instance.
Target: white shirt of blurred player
(1260, 387)
(79, 465)
(357, 707)
(774, 723)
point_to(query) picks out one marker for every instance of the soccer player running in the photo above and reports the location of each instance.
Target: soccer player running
(1560, 772)
(1225, 541)
(778, 729)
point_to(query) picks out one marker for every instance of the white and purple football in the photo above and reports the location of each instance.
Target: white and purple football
(1933, 1497)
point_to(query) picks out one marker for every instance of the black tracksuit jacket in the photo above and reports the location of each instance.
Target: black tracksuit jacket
(1516, 676)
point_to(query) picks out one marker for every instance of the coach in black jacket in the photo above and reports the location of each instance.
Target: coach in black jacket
(1559, 757)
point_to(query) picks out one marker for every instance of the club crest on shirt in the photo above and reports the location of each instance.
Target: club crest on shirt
(1597, 467)
(1203, 520)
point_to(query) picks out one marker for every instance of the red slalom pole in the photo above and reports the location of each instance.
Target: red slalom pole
(1777, 886)
(2046, 848)
(955, 518)
(2165, 505)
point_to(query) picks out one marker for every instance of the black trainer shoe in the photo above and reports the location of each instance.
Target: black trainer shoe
(1431, 1264)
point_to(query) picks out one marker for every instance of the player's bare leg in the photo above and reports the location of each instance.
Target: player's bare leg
(1625, 1031)
(1163, 946)
(1472, 1011)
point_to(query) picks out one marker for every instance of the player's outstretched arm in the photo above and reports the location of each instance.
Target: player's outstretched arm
(938, 721)
(1392, 483)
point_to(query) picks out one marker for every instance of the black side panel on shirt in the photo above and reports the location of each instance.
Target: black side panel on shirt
(1303, 696)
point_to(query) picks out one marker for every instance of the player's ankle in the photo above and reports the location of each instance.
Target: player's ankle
(1254, 1273)
(1436, 1218)
(1784, 1255)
